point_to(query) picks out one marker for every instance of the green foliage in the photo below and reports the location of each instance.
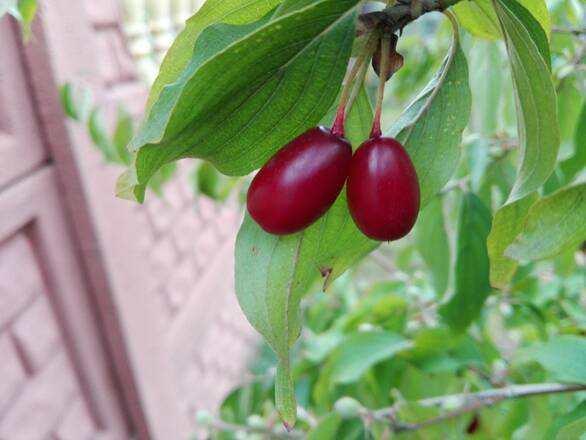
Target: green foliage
(563, 357)
(479, 16)
(553, 225)
(471, 284)
(432, 244)
(23, 10)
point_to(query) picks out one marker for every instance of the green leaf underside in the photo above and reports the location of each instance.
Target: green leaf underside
(563, 357)
(538, 128)
(535, 97)
(360, 351)
(431, 127)
(573, 431)
(507, 224)
(273, 273)
(432, 244)
(212, 11)
(479, 17)
(237, 117)
(554, 224)
(471, 283)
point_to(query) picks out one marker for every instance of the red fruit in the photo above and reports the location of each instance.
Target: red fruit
(300, 183)
(474, 425)
(383, 190)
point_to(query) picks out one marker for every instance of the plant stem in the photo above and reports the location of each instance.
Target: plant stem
(572, 30)
(471, 402)
(396, 17)
(384, 71)
(363, 59)
(220, 425)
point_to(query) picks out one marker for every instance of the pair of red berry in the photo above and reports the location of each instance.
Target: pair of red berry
(303, 180)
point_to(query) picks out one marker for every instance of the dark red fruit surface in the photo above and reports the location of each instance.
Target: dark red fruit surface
(383, 190)
(300, 182)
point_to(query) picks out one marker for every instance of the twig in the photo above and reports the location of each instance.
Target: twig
(572, 30)
(471, 402)
(394, 18)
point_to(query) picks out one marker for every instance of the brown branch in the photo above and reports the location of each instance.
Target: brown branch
(471, 402)
(394, 18)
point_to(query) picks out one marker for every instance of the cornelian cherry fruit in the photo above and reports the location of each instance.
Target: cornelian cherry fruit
(383, 189)
(300, 182)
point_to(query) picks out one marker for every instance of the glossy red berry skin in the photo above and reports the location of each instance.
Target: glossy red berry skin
(300, 182)
(383, 190)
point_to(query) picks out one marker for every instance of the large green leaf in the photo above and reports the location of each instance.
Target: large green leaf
(535, 94)
(573, 431)
(212, 11)
(431, 127)
(273, 272)
(471, 271)
(506, 225)
(554, 224)
(538, 128)
(239, 101)
(360, 351)
(563, 357)
(479, 16)
(432, 244)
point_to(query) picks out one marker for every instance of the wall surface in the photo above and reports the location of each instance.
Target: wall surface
(115, 319)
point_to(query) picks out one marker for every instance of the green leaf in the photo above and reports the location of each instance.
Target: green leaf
(123, 133)
(360, 351)
(274, 272)
(212, 11)
(538, 128)
(432, 244)
(326, 429)
(471, 282)
(506, 225)
(27, 9)
(486, 82)
(574, 431)
(554, 224)
(431, 127)
(288, 6)
(76, 103)
(23, 10)
(577, 162)
(563, 357)
(237, 107)
(99, 135)
(479, 17)
(567, 418)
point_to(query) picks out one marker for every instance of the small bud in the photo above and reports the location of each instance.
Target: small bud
(347, 408)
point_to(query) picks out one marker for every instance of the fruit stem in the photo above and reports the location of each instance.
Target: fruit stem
(362, 59)
(384, 71)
